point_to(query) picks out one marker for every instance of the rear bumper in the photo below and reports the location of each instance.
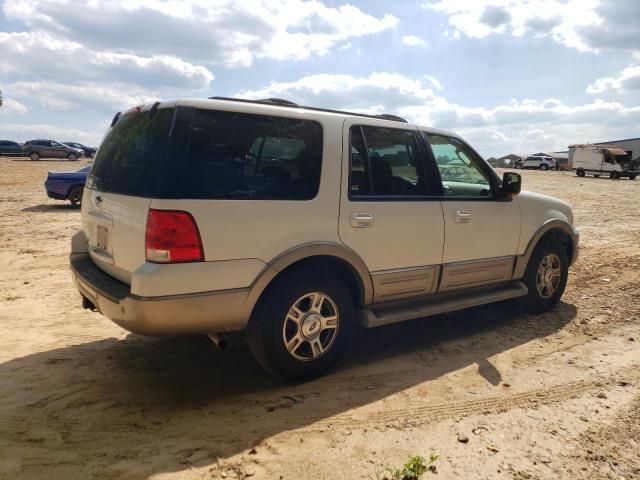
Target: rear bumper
(220, 311)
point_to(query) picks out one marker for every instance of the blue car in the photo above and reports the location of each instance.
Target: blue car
(67, 185)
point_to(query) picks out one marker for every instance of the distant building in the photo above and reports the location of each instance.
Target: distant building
(629, 145)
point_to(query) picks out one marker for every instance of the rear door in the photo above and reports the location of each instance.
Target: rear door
(388, 212)
(481, 232)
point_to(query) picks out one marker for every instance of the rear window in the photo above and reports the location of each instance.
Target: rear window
(211, 155)
(133, 155)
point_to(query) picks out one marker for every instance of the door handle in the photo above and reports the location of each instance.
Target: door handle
(361, 220)
(462, 216)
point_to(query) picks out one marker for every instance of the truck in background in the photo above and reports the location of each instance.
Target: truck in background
(603, 160)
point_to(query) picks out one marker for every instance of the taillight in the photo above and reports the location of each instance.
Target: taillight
(172, 237)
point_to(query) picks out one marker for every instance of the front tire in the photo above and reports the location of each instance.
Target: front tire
(546, 275)
(614, 175)
(632, 176)
(580, 172)
(299, 328)
(544, 167)
(72, 157)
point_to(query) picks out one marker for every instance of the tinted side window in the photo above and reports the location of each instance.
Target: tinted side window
(244, 156)
(461, 170)
(385, 162)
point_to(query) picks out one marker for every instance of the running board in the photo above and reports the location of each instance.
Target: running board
(377, 316)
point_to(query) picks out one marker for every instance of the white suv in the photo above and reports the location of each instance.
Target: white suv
(537, 162)
(296, 223)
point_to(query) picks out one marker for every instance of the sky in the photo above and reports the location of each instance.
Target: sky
(508, 75)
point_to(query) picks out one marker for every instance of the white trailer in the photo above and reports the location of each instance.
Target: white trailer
(603, 160)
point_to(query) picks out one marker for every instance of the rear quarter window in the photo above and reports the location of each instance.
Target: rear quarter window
(240, 156)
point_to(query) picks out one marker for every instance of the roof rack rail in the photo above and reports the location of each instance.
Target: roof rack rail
(286, 103)
(388, 116)
(279, 101)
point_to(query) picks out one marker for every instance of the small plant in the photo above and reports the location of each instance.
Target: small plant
(413, 469)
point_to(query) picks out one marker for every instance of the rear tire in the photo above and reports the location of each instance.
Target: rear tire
(544, 167)
(632, 177)
(546, 275)
(580, 172)
(518, 166)
(614, 175)
(34, 156)
(299, 328)
(75, 196)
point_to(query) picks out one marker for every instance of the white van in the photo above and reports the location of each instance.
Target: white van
(603, 160)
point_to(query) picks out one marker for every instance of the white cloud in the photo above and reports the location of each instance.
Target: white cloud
(223, 32)
(434, 81)
(628, 80)
(61, 97)
(34, 54)
(519, 125)
(413, 41)
(586, 25)
(22, 132)
(11, 107)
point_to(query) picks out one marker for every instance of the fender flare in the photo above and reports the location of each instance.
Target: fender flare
(301, 252)
(553, 224)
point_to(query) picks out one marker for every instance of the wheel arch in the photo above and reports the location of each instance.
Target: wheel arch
(551, 228)
(333, 257)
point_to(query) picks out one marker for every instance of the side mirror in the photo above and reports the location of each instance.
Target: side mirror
(511, 183)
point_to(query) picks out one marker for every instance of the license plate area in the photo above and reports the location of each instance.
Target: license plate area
(102, 238)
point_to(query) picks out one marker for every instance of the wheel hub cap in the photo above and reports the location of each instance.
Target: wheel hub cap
(311, 326)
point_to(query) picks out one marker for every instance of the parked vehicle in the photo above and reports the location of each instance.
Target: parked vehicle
(8, 147)
(67, 185)
(613, 162)
(89, 152)
(294, 223)
(537, 162)
(37, 149)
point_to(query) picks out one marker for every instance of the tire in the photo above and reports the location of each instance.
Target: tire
(72, 157)
(274, 322)
(544, 167)
(75, 196)
(518, 166)
(545, 288)
(34, 156)
(614, 175)
(580, 172)
(632, 177)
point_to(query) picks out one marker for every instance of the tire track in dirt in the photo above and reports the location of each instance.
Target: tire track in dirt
(435, 413)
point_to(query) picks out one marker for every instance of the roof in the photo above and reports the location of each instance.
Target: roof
(283, 107)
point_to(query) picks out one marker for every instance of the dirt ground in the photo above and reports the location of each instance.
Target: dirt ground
(536, 397)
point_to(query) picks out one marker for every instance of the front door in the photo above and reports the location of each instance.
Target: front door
(388, 212)
(481, 232)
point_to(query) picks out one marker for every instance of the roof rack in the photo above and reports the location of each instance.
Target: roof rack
(287, 103)
(393, 118)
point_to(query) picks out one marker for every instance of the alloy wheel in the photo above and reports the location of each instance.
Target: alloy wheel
(311, 326)
(548, 275)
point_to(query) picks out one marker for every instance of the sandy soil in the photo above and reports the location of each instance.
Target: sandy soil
(549, 396)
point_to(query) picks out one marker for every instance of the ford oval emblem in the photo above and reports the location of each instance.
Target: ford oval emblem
(98, 200)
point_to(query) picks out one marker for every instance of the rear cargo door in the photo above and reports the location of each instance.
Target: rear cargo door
(119, 189)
